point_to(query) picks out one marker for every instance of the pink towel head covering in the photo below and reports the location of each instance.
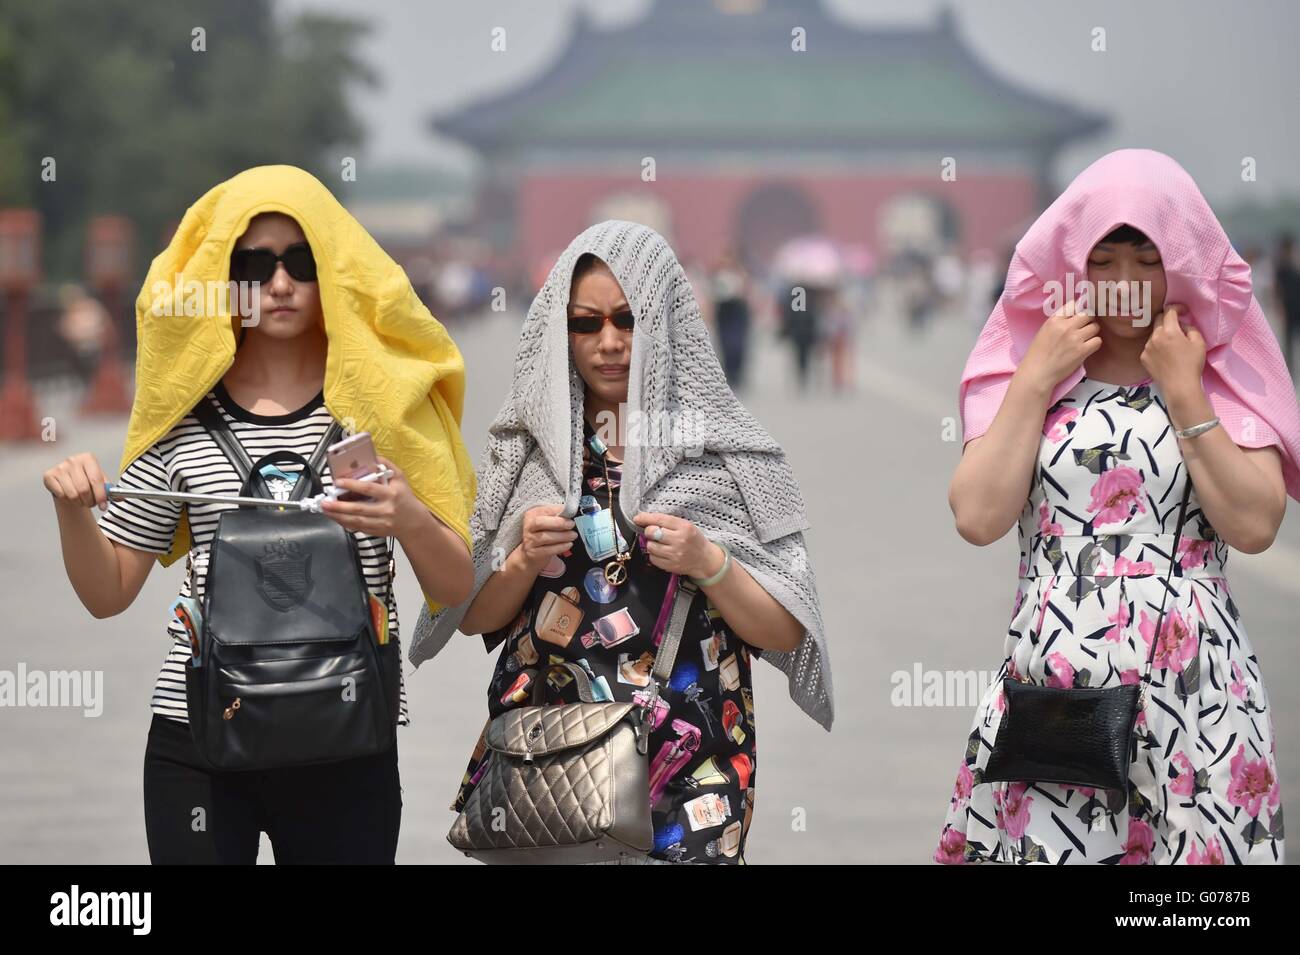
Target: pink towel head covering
(1245, 376)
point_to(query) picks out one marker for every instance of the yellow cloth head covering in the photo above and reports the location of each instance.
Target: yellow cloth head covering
(391, 368)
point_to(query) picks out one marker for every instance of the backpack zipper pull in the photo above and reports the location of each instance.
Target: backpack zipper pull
(229, 712)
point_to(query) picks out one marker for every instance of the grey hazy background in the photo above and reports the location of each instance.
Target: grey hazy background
(1209, 81)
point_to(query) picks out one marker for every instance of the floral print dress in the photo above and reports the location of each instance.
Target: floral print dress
(702, 770)
(1095, 538)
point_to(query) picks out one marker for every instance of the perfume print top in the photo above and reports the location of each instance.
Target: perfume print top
(702, 747)
(1245, 376)
(706, 457)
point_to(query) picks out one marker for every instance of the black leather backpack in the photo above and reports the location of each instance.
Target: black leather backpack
(289, 671)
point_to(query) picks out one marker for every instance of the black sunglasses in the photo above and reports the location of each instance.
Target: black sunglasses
(258, 265)
(587, 324)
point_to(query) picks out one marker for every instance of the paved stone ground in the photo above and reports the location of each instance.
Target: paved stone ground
(899, 588)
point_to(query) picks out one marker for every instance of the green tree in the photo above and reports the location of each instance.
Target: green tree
(141, 124)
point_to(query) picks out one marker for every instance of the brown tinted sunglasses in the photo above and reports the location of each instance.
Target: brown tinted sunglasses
(623, 320)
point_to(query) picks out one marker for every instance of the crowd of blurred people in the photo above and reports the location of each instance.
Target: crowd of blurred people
(814, 297)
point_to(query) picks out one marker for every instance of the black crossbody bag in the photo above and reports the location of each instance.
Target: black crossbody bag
(1075, 736)
(289, 671)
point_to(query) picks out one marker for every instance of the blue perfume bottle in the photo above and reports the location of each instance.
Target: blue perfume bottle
(596, 527)
(600, 692)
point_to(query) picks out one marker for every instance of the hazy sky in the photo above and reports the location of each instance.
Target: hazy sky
(1207, 81)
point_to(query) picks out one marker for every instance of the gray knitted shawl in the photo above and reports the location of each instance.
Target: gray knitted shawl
(719, 468)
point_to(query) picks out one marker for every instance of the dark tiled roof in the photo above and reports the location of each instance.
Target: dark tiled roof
(688, 74)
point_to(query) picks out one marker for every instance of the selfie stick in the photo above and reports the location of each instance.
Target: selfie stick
(184, 497)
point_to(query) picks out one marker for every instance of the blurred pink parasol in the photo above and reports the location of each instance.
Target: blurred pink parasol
(810, 260)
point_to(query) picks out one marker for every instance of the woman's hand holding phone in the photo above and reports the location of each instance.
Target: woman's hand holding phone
(353, 457)
(379, 508)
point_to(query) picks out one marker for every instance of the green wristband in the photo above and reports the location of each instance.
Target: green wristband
(726, 565)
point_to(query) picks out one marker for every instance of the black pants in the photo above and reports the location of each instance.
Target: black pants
(344, 812)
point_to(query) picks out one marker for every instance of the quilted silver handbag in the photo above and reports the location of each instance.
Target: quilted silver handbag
(570, 783)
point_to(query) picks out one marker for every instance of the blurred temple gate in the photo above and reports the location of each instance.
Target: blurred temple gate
(753, 141)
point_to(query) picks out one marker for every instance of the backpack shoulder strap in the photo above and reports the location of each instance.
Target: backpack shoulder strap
(209, 415)
(331, 435)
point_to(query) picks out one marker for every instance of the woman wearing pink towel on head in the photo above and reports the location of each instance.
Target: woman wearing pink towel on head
(1084, 419)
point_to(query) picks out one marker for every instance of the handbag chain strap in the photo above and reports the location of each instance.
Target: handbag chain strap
(1173, 560)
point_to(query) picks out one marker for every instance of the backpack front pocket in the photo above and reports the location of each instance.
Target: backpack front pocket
(337, 704)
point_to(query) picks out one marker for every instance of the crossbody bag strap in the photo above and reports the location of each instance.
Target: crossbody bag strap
(666, 655)
(1173, 559)
(672, 639)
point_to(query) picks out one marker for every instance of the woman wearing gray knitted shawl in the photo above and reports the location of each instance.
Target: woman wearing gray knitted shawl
(620, 417)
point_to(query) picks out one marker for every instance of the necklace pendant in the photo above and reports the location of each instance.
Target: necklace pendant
(615, 572)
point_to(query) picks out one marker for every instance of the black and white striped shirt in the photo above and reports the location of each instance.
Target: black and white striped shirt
(188, 459)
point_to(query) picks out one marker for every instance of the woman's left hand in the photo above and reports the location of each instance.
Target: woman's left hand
(683, 549)
(392, 505)
(1174, 356)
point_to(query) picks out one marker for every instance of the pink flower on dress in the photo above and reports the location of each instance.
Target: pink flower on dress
(1253, 783)
(1141, 841)
(1238, 685)
(1011, 806)
(1177, 645)
(1114, 494)
(1182, 783)
(1120, 618)
(1000, 701)
(1194, 553)
(1061, 673)
(1042, 604)
(1054, 424)
(1123, 567)
(962, 790)
(965, 782)
(1020, 600)
(1213, 854)
(952, 847)
(1045, 525)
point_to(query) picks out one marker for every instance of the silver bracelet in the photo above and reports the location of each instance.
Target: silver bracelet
(726, 563)
(1196, 429)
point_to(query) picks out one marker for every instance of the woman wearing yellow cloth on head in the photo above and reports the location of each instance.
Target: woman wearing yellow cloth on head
(332, 331)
